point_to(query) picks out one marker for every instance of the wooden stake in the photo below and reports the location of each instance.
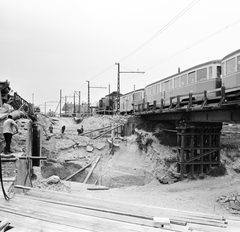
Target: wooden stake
(74, 174)
(89, 174)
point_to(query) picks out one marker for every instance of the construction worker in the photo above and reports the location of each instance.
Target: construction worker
(81, 130)
(51, 128)
(63, 129)
(8, 132)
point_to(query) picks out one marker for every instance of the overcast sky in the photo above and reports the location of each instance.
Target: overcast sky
(50, 45)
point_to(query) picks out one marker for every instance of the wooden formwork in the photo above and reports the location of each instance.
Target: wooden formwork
(198, 147)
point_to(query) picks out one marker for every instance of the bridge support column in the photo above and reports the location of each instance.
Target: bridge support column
(198, 147)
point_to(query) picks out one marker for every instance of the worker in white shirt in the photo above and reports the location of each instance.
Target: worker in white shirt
(8, 132)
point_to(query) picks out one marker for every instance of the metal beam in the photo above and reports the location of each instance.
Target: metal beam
(219, 115)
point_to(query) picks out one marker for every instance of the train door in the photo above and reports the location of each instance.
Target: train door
(219, 73)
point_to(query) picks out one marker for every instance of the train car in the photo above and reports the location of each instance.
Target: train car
(231, 72)
(102, 104)
(139, 99)
(130, 101)
(206, 76)
(110, 99)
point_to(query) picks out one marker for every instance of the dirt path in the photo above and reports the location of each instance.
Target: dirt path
(196, 196)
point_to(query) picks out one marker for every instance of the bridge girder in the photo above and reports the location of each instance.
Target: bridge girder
(213, 115)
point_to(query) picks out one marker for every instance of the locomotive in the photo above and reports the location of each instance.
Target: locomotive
(208, 77)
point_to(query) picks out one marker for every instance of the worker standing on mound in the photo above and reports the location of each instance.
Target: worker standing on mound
(51, 128)
(81, 130)
(63, 129)
(8, 132)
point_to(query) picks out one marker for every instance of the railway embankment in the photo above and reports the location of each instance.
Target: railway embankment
(139, 167)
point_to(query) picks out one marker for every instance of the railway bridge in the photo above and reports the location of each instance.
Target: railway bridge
(198, 126)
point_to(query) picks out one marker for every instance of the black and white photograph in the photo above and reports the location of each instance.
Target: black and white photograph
(119, 115)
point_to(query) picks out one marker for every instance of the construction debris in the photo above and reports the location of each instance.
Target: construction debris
(231, 202)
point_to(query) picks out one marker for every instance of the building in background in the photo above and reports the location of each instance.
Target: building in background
(69, 109)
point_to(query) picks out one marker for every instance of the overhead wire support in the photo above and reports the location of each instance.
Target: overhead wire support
(118, 83)
(152, 37)
(89, 94)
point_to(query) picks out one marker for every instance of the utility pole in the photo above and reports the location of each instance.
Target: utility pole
(118, 83)
(74, 100)
(74, 108)
(79, 102)
(65, 105)
(89, 94)
(134, 99)
(60, 102)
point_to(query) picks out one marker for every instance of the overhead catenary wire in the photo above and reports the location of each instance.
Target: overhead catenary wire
(156, 63)
(152, 37)
(193, 44)
(161, 30)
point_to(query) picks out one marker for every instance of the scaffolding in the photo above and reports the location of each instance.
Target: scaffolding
(198, 146)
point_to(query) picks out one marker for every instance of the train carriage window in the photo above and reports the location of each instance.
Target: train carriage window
(210, 72)
(230, 66)
(167, 85)
(191, 77)
(184, 80)
(219, 71)
(176, 82)
(223, 68)
(202, 74)
(238, 63)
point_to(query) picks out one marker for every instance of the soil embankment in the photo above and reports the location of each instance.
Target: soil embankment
(134, 169)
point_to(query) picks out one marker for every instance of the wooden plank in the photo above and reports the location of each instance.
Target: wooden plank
(23, 175)
(128, 209)
(76, 220)
(114, 215)
(4, 224)
(22, 223)
(64, 208)
(90, 172)
(80, 170)
(97, 187)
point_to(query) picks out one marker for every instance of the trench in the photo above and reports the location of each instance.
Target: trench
(128, 166)
(123, 169)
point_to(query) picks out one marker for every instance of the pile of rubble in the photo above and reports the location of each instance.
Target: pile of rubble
(231, 202)
(52, 183)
